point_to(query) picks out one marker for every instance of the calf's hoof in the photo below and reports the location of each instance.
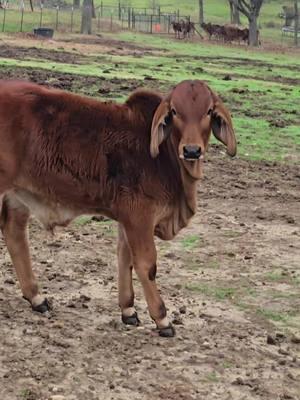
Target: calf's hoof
(43, 307)
(169, 331)
(132, 320)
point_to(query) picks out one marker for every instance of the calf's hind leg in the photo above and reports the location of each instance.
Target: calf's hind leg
(13, 223)
(126, 293)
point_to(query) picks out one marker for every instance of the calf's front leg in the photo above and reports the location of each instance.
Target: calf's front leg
(141, 242)
(13, 222)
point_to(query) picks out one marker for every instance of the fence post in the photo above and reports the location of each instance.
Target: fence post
(4, 18)
(41, 15)
(178, 13)
(132, 18)
(129, 17)
(169, 23)
(72, 18)
(22, 16)
(119, 10)
(101, 8)
(296, 27)
(56, 23)
(151, 21)
(98, 22)
(111, 22)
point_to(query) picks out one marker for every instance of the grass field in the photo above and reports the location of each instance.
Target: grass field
(215, 11)
(262, 89)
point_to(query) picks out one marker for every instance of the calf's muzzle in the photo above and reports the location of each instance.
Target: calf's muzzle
(191, 152)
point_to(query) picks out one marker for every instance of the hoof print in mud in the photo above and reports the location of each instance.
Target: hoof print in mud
(43, 307)
(132, 320)
(169, 331)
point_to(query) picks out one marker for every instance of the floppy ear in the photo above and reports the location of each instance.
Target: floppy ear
(161, 126)
(222, 126)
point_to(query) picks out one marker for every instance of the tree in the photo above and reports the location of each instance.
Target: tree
(234, 12)
(86, 17)
(76, 3)
(296, 27)
(201, 12)
(251, 9)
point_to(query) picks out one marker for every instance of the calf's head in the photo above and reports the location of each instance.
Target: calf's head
(188, 115)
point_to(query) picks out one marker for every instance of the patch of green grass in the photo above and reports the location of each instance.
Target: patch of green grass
(190, 242)
(280, 276)
(83, 220)
(275, 315)
(212, 377)
(219, 293)
(230, 233)
(27, 394)
(227, 364)
(279, 294)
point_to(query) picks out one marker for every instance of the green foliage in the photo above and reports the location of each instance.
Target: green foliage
(219, 293)
(190, 242)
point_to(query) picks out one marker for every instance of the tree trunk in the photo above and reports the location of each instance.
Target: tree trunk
(235, 14)
(86, 17)
(201, 12)
(251, 9)
(231, 11)
(76, 3)
(296, 23)
(253, 33)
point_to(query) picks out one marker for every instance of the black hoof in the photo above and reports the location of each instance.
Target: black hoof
(132, 320)
(169, 331)
(43, 307)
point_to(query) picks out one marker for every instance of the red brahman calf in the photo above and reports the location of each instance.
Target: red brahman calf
(62, 155)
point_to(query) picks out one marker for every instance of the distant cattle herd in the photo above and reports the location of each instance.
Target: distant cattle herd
(228, 33)
(183, 29)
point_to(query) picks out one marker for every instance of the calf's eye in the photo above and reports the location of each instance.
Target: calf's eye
(209, 112)
(173, 111)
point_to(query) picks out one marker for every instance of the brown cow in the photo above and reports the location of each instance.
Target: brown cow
(138, 163)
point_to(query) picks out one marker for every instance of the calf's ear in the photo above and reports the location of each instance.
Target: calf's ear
(161, 126)
(222, 126)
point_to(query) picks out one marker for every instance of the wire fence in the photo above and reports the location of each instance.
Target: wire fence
(63, 17)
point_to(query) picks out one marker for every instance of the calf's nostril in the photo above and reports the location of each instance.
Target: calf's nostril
(192, 152)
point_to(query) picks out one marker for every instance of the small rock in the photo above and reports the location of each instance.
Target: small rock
(290, 220)
(182, 310)
(295, 339)
(177, 321)
(206, 345)
(238, 381)
(271, 340)
(283, 352)
(10, 281)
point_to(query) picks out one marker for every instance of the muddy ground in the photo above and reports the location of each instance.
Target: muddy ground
(247, 223)
(231, 283)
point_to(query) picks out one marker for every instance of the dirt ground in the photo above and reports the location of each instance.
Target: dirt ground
(231, 282)
(248, 221)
